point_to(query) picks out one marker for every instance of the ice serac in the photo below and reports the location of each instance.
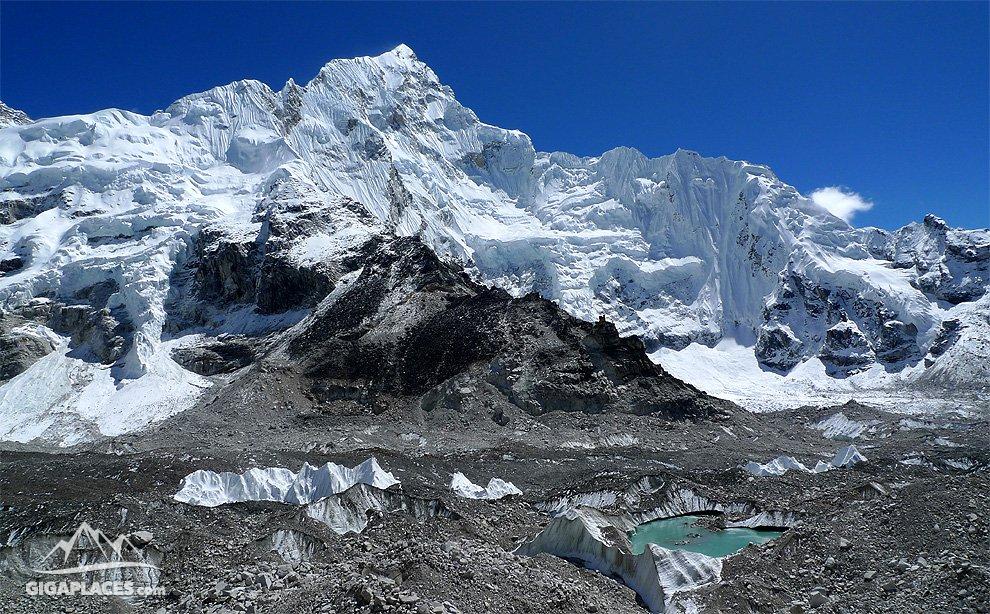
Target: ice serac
(657, 574)
(844, 457)
(209, 489)
(497, 488)
(840, 427)
(101, 214)
(348, 511)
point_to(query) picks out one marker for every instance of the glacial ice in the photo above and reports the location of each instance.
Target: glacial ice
(778, 466)
(844, 457)
(656, 575)
(496, 489)
(310, 484)
(840, 427)
(348, 511)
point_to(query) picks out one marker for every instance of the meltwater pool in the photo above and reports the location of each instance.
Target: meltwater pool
(681, 533)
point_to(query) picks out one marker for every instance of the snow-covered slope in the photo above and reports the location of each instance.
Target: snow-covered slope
(100, 213)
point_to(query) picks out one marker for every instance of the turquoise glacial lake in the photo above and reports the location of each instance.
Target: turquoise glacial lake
(681, 533)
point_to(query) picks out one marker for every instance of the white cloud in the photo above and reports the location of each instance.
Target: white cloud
(841, 202)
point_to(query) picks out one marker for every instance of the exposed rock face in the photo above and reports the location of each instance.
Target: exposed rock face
(847, 330)
(20, 345)
(846, 349)
(409, 323)
(226, 269)
(898, 342)
(778, 348)
(15, 209)
(95, 332)
(11, 265)
(225, 355)
(288, 258)
(948, 334)
(284, 285)
(952, 265)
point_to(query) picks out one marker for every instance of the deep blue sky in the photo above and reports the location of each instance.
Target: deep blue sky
(888, 99)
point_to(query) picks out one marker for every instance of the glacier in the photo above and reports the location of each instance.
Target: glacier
(736, 282)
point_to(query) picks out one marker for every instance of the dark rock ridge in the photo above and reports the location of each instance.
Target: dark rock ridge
(410, 323)
(391, 325)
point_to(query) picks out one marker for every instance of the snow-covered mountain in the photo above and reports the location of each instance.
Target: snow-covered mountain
(10, 117)
(716, 263)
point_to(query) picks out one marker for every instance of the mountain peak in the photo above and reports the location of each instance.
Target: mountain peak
(10, 116)
(403, 50)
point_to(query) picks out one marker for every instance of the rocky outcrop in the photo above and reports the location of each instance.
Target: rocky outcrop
(10, 116)
(289, 258)
(21, 345)
(15, 209)
(225, 355)
(225, 268)
(11, 265)
(778, 348)
(948, 333)
(409, 323)
(96, 333)
(898, 343)
(284, 285)
(846, 349)
(952, 265)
